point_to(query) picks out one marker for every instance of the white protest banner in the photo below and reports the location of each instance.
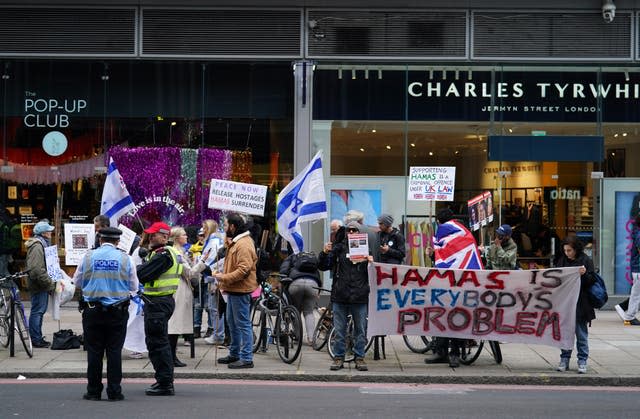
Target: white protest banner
(53, 263)
(431, 183)
(238, 197)
(78, 238)
(534, 307)
(126, 238)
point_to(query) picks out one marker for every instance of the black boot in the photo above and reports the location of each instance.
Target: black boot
(209, 332)
(196, 332)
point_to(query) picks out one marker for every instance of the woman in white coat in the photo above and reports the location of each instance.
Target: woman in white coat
(181, 321)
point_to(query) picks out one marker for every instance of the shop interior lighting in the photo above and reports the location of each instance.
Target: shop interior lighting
(510, 130)
(374, 130)
(626, 76)
(456, 152)
(412, 144)
(624, 134)
(362, 149)
(615, 135)
(353, 74)
(431, 153)
(388, 147)
(173, 123)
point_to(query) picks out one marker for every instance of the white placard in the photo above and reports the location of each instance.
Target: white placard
(126, 239)
(431, 183)
(533, 307)
(78, 238)
(358, 246)
(238, 197)
(53, 263)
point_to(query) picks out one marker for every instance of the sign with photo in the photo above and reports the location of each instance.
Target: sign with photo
(78, 238)
(480, 210)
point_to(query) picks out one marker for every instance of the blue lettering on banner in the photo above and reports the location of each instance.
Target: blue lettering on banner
(106, 265)
(383, 299)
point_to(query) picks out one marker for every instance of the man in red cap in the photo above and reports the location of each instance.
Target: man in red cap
(160, 275)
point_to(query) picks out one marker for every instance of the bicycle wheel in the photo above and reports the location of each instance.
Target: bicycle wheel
(496, 351)
(322, 330)
(348, 343)
(4, 330)
(417, 344)
(258, 321)
(470, 351)
(23, 330)
(289, 334)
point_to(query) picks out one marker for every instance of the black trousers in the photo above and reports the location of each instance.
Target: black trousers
(451, 345)
(157, 311)
(104, 331)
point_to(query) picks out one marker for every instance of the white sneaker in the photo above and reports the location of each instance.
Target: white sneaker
(563, 365)
(187, 343)
(136, 355)
(620, 311)
(582, 368)
(211, 340)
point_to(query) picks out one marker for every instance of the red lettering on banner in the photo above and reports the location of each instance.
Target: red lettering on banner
(523, 324)
(498, 284)
(459, 312)
(438, 275)
(432, 315)
(547, 319)
(412, 275)
(380, 275)
(407, 317)
(500, 326)
(482, 321)
(468, 276)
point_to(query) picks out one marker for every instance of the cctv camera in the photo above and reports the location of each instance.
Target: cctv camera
(608, 10)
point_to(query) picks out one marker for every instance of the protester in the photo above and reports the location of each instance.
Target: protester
(181, 321)
(333, 228)
(503, 253)
(392, 246)
(212, 241)
(107, 277)
(302, 268)
(349, 295)
(238, 281)
(99, 222)
(574, 256)
(135, 339)
(40, 283)
(454, 248)
(160, 275)
(372, 237)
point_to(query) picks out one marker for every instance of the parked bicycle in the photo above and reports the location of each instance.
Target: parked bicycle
(275, 321)
(471, 350)
(12, 316)
(418, 344)
(323, 326)
(349, 342)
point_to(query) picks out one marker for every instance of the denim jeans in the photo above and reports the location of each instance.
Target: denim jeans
(217, 318)
(239, 318)
(582, 343)
(359, 314)
(39, 303)
(200, 304)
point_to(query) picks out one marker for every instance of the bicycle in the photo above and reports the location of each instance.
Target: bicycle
(285, 331)
(349, 355)
(471, 350)
(418, 344)
(12, 317)
(323, 327)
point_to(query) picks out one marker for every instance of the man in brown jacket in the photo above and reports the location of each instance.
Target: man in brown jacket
(238, 281)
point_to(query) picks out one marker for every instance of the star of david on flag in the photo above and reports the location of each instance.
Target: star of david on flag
(302, 200)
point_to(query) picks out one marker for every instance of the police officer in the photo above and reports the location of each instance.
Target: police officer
(107, 276)
(160, 275)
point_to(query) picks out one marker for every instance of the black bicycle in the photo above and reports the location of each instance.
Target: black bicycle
(275, 321)
(12, 317)
(349, 355)
(471, 350)
(323, 326)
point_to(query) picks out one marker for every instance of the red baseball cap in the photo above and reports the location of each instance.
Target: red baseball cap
(158, 227)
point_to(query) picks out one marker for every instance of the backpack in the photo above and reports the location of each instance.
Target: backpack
(597, 293)
(306, 262)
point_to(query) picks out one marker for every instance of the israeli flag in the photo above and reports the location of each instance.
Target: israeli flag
(116, 200)
(302, 200)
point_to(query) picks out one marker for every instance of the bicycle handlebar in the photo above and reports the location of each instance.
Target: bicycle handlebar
(321, 289)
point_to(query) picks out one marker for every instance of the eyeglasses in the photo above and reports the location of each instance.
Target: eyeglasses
(352, 230)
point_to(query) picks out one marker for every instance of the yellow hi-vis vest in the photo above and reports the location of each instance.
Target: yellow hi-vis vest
(167, 283)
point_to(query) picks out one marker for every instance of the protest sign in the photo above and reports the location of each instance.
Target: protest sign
(237, 197)
(431, 183)
(358, 246)
(126, 238)
(52, 262)
(480, 210)
(536, 306)
(78, 238)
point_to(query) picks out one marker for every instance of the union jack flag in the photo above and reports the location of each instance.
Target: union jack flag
(455, 247)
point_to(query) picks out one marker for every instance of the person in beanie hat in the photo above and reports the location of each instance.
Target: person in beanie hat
(392, 247)
(503, 253)
(40, 283)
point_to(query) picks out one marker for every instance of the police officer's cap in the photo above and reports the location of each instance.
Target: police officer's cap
(110, 233)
